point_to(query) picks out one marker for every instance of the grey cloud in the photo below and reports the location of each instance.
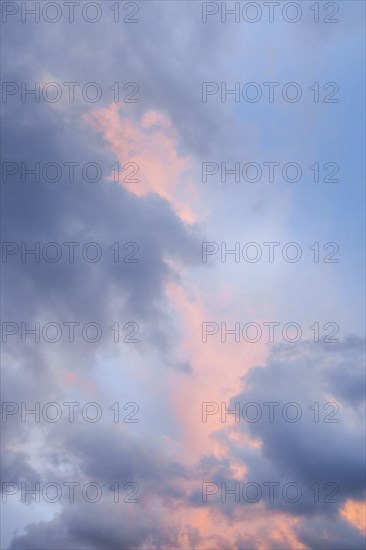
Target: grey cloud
(321, 534)
(304, 452)
(308, 451)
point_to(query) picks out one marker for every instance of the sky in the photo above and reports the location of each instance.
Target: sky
(183, 298)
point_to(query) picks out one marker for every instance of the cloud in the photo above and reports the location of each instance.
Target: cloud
(150, 146)
(168, 133)
(318, 455)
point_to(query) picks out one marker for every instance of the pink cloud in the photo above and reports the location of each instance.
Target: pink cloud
(151, 144)
(355, 513)
(217, 372)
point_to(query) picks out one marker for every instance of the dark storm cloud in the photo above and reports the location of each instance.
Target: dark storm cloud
(325, 534)
(103, 292)
(123, 56)
(305, 452)
(98, 527)
(85, 212)
(310, 451)
(346, 379)
(107, 457)
(15, 468)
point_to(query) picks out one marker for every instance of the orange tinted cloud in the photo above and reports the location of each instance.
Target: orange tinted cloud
(217, 371)
(355, 513)
(216, 377)
(252, 523)
(217, 368)
(151, 144)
